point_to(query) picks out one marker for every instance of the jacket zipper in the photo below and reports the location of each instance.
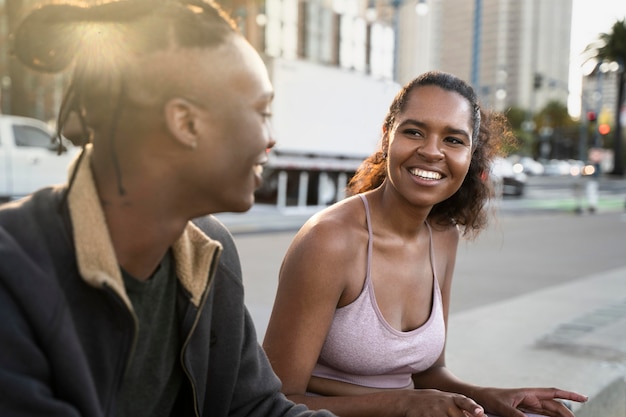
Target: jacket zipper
(193, 327)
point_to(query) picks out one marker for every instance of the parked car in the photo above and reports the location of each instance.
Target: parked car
(531, 166)
(29, 157)
(557, 167)
(507, 178)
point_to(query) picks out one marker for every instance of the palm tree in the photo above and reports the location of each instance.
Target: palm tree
(611, 47)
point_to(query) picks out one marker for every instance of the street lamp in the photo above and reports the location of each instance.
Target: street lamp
(421, 8)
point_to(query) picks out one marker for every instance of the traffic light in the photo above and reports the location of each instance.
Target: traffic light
(591, 116)
(604, 129)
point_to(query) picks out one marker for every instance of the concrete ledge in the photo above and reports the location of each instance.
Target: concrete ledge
(610, 402)
(572, 336)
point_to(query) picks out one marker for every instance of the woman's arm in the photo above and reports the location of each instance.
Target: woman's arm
(499, 401)
(323, 269)
(315, 278)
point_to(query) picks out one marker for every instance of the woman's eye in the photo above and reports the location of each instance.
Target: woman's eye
(455, 141)
(413, 132)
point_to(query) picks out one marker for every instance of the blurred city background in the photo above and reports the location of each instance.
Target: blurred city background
(554, 67)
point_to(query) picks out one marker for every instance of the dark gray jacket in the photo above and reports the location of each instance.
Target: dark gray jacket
(67, 328)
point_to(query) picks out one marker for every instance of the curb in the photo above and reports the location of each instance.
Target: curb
(572, 336)
(609, 402)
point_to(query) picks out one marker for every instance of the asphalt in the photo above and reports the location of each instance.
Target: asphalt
(571, 336)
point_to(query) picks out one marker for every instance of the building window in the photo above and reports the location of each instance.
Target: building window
(317, 33)
(282, 28)
(381, 52)
(352, 44)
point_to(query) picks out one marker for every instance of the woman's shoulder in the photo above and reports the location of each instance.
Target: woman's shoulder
(445, 234)
(329, 248)
(345, 214)
(336, 226)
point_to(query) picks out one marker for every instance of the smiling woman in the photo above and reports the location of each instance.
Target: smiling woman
(488, 133)
(359, 322)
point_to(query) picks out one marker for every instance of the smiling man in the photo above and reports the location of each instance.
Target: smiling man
(120, 296)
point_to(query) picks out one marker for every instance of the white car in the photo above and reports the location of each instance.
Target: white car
(507, 178)
(29, 157)
(531, 166)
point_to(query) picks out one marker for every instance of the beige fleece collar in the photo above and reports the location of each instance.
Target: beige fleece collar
(194, 252)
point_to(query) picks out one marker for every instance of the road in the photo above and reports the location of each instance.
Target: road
(528, 247)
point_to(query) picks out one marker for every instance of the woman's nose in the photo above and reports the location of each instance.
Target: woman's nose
(430, 150)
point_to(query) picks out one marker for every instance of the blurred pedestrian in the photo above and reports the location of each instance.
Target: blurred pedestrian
(113, 302)
(359, 321)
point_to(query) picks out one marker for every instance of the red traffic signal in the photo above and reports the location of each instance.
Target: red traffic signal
(591, 116)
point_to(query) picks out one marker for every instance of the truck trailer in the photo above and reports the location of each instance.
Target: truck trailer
(326, 121)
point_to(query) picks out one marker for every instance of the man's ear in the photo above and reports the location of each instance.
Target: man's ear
(180, 117)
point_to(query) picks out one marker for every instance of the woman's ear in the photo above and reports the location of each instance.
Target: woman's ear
(180, 117)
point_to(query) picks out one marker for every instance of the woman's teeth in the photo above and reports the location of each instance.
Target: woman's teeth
(429, 175)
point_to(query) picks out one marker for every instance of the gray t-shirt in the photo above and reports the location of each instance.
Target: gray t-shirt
(154, 374)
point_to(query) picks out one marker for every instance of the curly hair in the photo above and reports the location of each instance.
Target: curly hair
(467, 207)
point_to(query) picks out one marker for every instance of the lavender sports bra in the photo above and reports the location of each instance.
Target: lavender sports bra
(363, 349)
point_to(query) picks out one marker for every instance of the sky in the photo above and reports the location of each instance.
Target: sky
(589, 19)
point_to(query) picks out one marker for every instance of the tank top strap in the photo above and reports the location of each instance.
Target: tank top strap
(433, 265)
(431, 249)
(370, 239)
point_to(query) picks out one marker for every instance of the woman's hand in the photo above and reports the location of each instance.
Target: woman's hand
(434, 403)
(515, 401)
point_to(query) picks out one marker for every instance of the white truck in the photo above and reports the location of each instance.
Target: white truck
(29, 158)
(326, 120)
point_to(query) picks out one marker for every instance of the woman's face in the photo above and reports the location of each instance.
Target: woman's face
(430, 146)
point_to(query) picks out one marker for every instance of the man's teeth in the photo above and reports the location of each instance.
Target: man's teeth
(429, 175)
(258, 169)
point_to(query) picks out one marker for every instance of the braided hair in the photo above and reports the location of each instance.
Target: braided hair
(103, 44)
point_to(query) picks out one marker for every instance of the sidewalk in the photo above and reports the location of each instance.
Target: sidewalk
(263, 218)
(571, 336)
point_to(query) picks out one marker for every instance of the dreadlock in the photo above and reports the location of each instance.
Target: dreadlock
(101, 42)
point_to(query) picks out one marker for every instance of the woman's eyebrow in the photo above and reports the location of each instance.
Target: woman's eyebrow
(447, 129)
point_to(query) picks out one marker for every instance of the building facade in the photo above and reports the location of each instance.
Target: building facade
(519, 56)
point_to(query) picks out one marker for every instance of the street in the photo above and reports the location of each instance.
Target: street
(523, 250)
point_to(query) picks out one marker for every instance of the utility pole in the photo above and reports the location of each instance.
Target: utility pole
(396, 32)
(476, 45)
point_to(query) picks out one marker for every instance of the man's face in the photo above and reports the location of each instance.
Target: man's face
(235, 94)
